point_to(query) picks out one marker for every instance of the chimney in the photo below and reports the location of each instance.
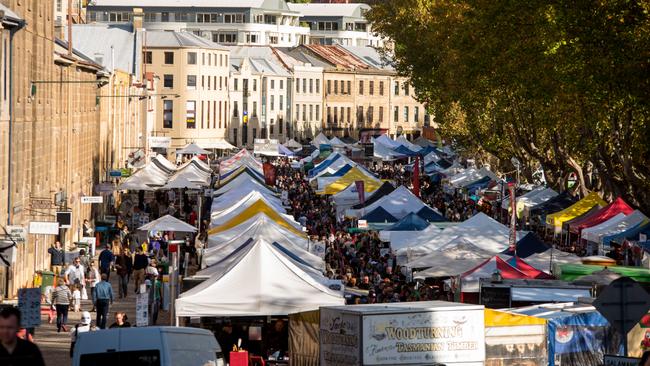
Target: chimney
(138, 18)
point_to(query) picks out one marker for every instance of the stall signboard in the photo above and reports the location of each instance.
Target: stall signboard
(424, 338)
(160, 142)
(92, 199)
(362, 224)
(44, 227)
(17, 233)
(340, 338)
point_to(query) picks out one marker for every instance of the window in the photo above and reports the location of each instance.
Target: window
(235, 109)
(220, 114)
(191, 81)
(168, 81)
(191, 58)
(148, 57)
(369, 114)
(381, 114)
(164, 17)
(406, 114)
(281, 85)
(397, 88)
(272, 103)
(272, 84)
(336, 115)
(233, 18)
(317, 112)
(119, 17)
(371, 87)
(150, 17)
(254, 84)
(224, 37)
(168, 113)
(254, 111)
(271, 127)
(343, 87)
(396, 115)
(206, 18)
(209, 85)
(329, 87)
(349, 113)
(336, 86)
(280, 125)
(360, 115)
(59, 5)
(281, 102)
(297, 112)
(343, 115)
(349, 87)
(297, 85)
(169, 58)
(190, 114)
(220, 82)
(416, 114)
(304, 85)
(317, 85)
(304, 112)
(406, 89)
(183, 17)
(203, 114)
(252, 37)
(329, 116)
(328, 26)
(254, 133)
(360, 87)
(381, 88)
(236, 86)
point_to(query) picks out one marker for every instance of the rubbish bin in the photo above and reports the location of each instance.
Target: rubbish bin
(47, 279)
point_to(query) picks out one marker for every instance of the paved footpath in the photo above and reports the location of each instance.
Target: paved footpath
(56, 346)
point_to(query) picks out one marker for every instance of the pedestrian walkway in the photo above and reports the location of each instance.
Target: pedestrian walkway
(56, 346)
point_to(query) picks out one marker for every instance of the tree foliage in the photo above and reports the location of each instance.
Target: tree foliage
(561, 84)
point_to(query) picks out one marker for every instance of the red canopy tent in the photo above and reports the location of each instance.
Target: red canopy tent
(602, 215)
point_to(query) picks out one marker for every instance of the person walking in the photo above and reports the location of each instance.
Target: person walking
(13, 350)
(140, 263)
(56, 258)
(106, 258)
(92, 278)
(124, 267)
(75, 274)
(103, 299)
(82, 327)
(156, 288)
(61, 298)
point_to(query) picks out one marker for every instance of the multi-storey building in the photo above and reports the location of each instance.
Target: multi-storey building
(233, 22)
(49, 131)
(259, 93)
(343, 24)
(193, 81)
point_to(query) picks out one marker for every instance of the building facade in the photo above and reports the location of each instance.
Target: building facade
(343, 24)
(51, 137)
(231, 22)
(192, 81)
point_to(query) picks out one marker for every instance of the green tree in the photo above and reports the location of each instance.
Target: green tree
(557, 84)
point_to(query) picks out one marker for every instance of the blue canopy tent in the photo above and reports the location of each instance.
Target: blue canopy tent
(405, 151)
(339, 173)
(410, 222)
(432, 168)
(575, 337)
(283, 150)
(428, 150)
(444, 163)
(379, 215)
(435, 177)
(252, 172)
(428, 214)
(322, 166)
(528, 245)
(629, 234)
(478, 184)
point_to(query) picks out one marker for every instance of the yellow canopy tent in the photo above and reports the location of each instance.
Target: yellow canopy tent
(370, 184)
(577, 209)
(258, 207)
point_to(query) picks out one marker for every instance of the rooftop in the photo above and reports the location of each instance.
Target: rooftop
(117, 50)
(262, 60)
(330, 10)
(261, 4)
(166, 39)
(338, 56)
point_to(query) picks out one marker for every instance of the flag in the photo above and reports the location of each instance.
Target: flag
(416, 177)
(513, 219)
(269, 173)
(361, 191)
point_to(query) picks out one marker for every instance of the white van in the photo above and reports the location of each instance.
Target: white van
(148, 346)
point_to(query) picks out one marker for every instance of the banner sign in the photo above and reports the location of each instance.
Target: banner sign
(360, 186)
(44, 227)
(29, 303)
(424, 338)
(160, 142)
(17, 233)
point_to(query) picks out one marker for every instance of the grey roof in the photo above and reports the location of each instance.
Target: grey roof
(330, 10)
(10, 15)
(262, 60)
(370, 56)
(263, 4)
(303, 55)
(114, 46)
(167, 39)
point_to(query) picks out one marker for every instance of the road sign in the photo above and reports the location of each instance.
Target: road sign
(620, 361)
(92, 199)
(623, 303)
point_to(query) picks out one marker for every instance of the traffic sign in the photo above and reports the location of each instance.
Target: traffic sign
(623, 303)
(92, 199)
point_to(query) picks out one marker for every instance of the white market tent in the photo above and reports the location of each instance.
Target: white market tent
(243, 184)
(471, 175)
(404, 239)
(164, 164)
(552, 257)
(252, 223)
(180, 182)
(408, 144)
(237, 160)
(480, 230)
(219, 144)
(220, 214)
(614, 225)
(293, 144)
(534, 200)
(240, 192)
(168, 223)
(385, 153)
(463, 257)
(152, 176)
(263, 282)
(320, 139)
(347, 198)
(192, 149)
(385, 141)
(398, 203)
(335, 141)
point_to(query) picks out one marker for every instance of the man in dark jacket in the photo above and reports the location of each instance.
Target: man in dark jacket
(56, 257)
(140, 263)
(106, 258)
(13, 350)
